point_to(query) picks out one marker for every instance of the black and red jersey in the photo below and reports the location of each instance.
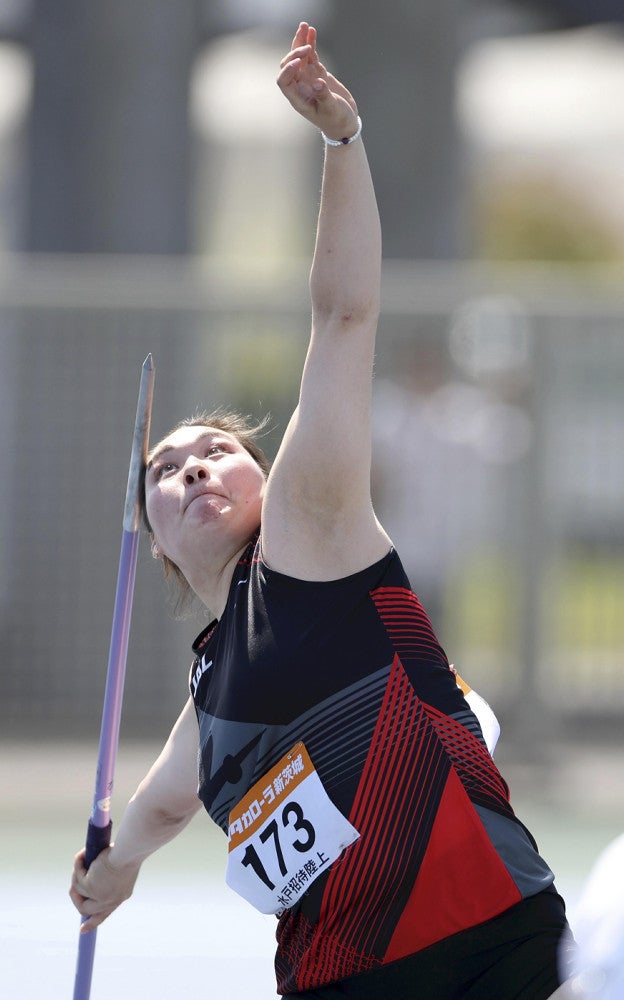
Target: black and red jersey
(353, 669)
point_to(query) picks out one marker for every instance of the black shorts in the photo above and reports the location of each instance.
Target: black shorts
(512, 957)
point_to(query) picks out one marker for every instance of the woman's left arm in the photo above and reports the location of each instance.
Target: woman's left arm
(164, 803)
(318, 521)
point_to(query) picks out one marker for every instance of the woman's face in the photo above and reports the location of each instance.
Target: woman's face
(200, 481)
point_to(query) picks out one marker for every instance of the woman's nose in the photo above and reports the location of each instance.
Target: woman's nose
(194, 472)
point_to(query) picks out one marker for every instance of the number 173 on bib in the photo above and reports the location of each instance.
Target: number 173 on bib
(284, 834)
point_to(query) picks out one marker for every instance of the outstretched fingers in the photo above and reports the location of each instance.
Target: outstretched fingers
(316, 94)
(303, 45)
(302, 61)
(304, 35)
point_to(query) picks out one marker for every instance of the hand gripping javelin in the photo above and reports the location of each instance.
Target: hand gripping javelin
(100, 824)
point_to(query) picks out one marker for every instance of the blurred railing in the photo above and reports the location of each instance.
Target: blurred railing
(499, 467)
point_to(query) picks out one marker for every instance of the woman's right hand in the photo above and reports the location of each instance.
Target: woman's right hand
(98, 891)
(313, 92)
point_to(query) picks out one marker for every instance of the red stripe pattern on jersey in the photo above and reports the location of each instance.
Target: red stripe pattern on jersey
(415, 642)
(394, 810)
(424, 867)
(408, 626)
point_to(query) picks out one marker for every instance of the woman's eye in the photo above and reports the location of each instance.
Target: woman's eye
(215, 449)
(163, 470)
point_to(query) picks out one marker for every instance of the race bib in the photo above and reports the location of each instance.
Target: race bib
(284, 834)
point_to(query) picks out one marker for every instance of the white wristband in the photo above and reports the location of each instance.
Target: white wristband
(344, 142)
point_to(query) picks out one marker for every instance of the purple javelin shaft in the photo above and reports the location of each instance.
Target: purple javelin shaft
(100, 824)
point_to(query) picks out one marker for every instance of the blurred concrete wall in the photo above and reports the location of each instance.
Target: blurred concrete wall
(109, 156)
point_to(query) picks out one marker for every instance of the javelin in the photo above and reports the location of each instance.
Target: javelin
(100, 823)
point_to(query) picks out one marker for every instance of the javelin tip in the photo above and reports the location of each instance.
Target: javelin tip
(132, 509)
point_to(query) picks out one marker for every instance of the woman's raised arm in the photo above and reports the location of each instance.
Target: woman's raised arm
(318, 521)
